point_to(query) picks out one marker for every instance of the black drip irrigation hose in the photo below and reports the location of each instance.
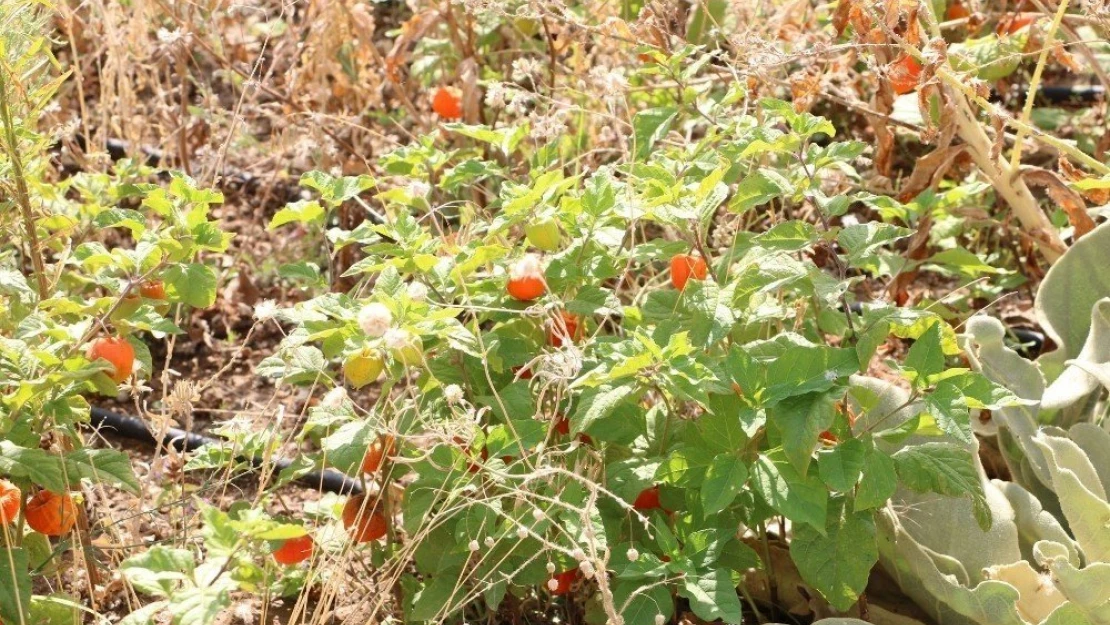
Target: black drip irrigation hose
(136, 429)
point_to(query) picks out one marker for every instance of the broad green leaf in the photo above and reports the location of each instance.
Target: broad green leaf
(638, 604)
(878, 482)
(301, 211)
(801, 420)
(38, 465)
(102, 465)
(649, 126)
(712, 596)
(802, 499)
(926, 356)
(839, 562)
(194, 283)
(724, 480)
(15, 585)
(841, 466)
(946, 469)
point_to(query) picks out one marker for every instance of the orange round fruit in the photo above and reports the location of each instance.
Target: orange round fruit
(363, 525)
(153, 289)
(648, 499)
(564, 581)
(118, 352)
(294, 550)
(10, 498)
(563, 327)
(447, 104)
(684, 267)
(526, 281)
(51, 514)
(957, 11)
(1013, 23)
(382, 447)
(904, 74)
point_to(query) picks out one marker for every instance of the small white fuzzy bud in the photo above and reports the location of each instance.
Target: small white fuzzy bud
(578, 554)
(632, 554)
(334, 398)
(375, 319)
(587, 569)
(453, 393)
(537, 514)
(550, 567)
(553, 584)
(489, 542)
(473, 546)
(522, 532)
(660, 619)
(417, 292)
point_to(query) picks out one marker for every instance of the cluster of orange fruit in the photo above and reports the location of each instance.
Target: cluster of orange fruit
(48, 513)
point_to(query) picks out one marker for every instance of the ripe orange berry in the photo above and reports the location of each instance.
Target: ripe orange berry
(116, 351)
(294, 550)
(446, 104)
(367, 524)
(382, 447)
(51, 514)
(526, 281)
(10, 498)
(648, 499)
(956, 11)
(153, 289)
(1013, 23)
(564, 581)
(684, 267)
(904, 74)
(563, 327)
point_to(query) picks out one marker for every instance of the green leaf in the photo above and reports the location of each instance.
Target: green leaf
(946, 469)
(160, 570)
(801, 420)
(788, 236)
(199, 605)
(712, 596)
(638, 604)
(194, 284)
(102, 465)
(301, 211)
(649, 126)
(433, 600)
(724, 479)
(840, 467)
(38, 465)
(596, 404)
(336, 190)
(838, 562)
(757, 189)
(15, 585)
(926, 356)
(802, 499)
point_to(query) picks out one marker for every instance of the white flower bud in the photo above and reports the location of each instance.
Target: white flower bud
(660, 619)
(522, 532)
(632, 554)
(453, 393)
(334, 398)
(375, 319)
(553, 584)
(537, 514)
(587, 569)
(489, 542)
(417, 292)
(527, 267)
(578, 554)
(550, 567)
(473, 546)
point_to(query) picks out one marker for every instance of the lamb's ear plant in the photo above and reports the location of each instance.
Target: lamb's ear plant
(1046, 559)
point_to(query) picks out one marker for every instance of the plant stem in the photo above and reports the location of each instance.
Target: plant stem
(22, 197)
(1035, 83)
